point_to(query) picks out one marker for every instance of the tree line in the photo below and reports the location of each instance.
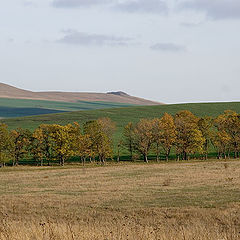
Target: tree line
(183, 135)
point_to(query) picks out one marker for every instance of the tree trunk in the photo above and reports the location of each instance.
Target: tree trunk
(132, 156)
(157, 156)
(185, 156)
(146, 158)
(118, 156)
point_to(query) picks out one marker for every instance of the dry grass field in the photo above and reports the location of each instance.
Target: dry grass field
(195, 200)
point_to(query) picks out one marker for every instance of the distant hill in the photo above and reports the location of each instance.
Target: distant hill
(7, 91)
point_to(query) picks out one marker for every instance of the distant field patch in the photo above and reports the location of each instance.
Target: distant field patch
(8, 112)
(27, 107)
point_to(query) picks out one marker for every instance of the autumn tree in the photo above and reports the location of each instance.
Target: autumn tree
(221, 141)
(63, 141)
(83, 147)
(6, 144)
(100, 133)
(205, 125)
(168, 134)
(157, 136)
(21, 142)
(42, 144)
(230, 122)
(143, 137)
(189, 138)
(128, 138)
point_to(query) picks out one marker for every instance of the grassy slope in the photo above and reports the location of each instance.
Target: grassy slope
(27, 107)
(122, 115)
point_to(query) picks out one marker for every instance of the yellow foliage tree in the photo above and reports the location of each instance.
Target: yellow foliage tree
(168, 134)
(63, 141)
(143, 137)
(189, 138)
(230, 122)
(21, 142)
(100, 133)
(205, 125)
(6, 144)
(221, 141)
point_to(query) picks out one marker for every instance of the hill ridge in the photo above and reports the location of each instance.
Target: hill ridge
(8, 91)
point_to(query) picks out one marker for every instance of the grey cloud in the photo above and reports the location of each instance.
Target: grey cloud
(168, 47)
(29, 4)
(142, 6)
(77, 3)
(130, 6)
(10, 40)
(216, 9)
(85, 39)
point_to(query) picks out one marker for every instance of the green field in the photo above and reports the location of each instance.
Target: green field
(27, 107)
(121, 116)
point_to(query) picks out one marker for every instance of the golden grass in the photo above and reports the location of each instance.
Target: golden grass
(196, 200)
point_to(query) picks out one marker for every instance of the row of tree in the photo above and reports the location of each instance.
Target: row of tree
(186, 135)
(51, 142)
(183, 134)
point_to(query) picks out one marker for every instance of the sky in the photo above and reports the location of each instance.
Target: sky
(171, 51)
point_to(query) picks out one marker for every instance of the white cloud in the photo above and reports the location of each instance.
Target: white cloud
(168, 47)
(86, 39)
(142, 6)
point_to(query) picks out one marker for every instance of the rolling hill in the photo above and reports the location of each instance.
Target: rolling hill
(7, 91)
(15, 102)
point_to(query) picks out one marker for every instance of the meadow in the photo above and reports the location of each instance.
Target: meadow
(165, 201)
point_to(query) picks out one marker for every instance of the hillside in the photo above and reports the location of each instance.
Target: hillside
(27, 107)
(7, 91)
(122, 115)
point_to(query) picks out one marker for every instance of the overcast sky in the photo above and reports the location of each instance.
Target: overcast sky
(171, 51)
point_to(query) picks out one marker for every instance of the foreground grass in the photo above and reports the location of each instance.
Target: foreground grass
(196, 200)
